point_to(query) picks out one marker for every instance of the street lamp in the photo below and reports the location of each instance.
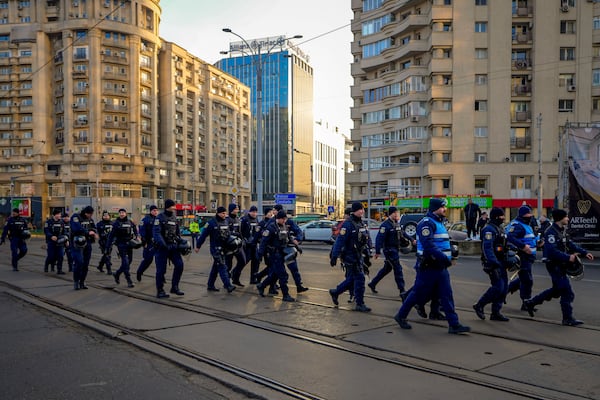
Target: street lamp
(257, 62)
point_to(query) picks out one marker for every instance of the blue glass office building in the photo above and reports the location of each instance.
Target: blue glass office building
(287, 115)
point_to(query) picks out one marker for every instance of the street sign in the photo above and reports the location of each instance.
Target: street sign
(330, 209)
(285, 198)
(234, 191)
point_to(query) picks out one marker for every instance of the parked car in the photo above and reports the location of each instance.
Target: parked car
(457, 231)
(318, 231)
(409, 222)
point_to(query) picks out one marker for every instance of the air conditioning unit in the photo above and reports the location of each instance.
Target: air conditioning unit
(564, 7)
(20, 7)
(571, 88)
(74, 105)
(482, 191)
(102, 52)
(414, 118)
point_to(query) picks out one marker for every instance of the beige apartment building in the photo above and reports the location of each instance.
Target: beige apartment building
(468, 98)
(96, 109)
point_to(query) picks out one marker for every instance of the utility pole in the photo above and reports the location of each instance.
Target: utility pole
(539, 188)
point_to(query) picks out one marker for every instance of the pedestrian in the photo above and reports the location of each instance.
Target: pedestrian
(520, 234)
(121, 235)
(481, 222)
(249, 228)
(434, 256)
(275, 238)
(56, 240)
(218, 230)
(17, 232)
(166, 235)
(494, 252)
(472, 214)
(84, 234)
(149, 249)
(560, 253)
(194, 231)
(350, 245)
(389, 239)
(235, 228)
(298, 236)
(67, 220)
(104, 226)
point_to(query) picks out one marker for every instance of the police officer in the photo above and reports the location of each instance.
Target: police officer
(167, 237)
(145, 231)
(218, 229)
(494, 251)
(67, 221)
(521, 235)
(56, 240)
(298, 236)
(250, 227)
(84, 234)
(104, 227)
(275, 238)
(258, 277)
(123, 231)
(559, 250)
(235, 228)
(350, 245)
(434, 256)
(389, 239)
(16, 230)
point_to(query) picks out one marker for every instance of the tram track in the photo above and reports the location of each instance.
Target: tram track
(399, 359)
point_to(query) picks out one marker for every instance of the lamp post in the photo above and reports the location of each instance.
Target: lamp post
(257, 61)
(539, 190)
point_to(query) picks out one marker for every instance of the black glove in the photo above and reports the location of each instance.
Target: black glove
(366, 269)
(332, 262)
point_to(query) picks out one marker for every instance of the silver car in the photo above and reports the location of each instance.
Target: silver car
(318, 231)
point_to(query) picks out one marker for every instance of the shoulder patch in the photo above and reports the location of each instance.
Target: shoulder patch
(488, 236)
(425, 232)
(265, 232)
(512, 229)
(551, 239)
(156, 221)
(343, 231)
(382, 229)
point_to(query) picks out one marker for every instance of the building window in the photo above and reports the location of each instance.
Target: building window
(83, 190)
(568, 27)
(481, 79)
(481, 27)
(481, 131)
(447, 2)
(446, 183)
(520, 182)
(520, 157)
(481, 2)
(567, 53)
(596, 104)
(480, 157)
(566, 80)
(480, 105)
(565, 105)
(595, 76)
(369, 5)
(481, 54)
(596, 23)
(446, 157)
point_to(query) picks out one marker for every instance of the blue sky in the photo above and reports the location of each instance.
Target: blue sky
(196, 26)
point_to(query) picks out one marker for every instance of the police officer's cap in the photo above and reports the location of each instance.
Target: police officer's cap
(56, 211)
(253, 208)
(278, 207)
(88, 210)
(357, 205)
(524, 210)
(496, 213)
(153, 207)
(558, 214)
(436, 203)
(169, 203)
(221, 209)
(392, 210)
(15, 210)
(281, 214)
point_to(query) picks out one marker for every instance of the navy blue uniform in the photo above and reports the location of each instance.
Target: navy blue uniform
(165, 233)
(519, 234)
(218, 230)
(350, 245)
(558, 247)
(53, 230)
(104, 227)
(145, 231)
(235, 228)
(262, 225)
(14, 228)
(123, 230)
(388, 241)
(67, 221)
(433, 259)
(81, 225)
(493, 259)
(249, 228)
(275, 238)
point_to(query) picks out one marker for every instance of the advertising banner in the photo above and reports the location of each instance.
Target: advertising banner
(24, 206)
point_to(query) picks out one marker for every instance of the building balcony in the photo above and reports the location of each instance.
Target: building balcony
(521, 64)
(411, 22)
(441, 38)
(520, 142)
(523, 11)
(441, 12)
(521, 116)
(439, 117)
(441, 65)
(521, 90)
(522, 38)
(441, 91)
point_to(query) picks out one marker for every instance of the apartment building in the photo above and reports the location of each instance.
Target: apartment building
(96, 109)
(467, 98)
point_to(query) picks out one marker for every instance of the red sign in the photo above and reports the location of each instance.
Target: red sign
(188, 207)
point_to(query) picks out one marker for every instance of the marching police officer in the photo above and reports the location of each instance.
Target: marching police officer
(521, 235)
(298, 236)
(434, 256)
(235, 228)
(249, 227)
(218, 229)
(123, 231)
(84, 234)
(67, 220)
(350, 245)
(275, 238)
(559, 252)
(389, 239)
(145, 231)
(56, 240)
(167, 237)
(104, 228)
(262, 225)
(494, 251)
(17, 232)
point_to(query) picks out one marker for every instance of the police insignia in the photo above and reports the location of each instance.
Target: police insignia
(488, 236)
(343, 231)
(512, 229)
(551, 239)
(265, 233)
(382, 230)
(425, 232)
(156, 222)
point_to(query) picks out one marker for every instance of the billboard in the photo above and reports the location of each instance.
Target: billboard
(583, 146)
